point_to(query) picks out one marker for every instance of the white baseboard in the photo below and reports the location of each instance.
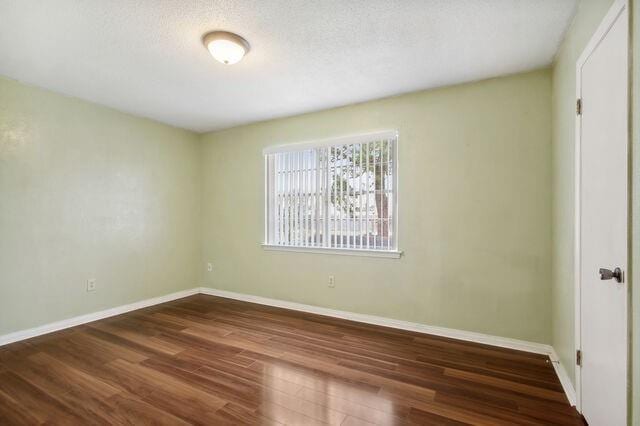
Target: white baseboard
(503, 342)
(83, 319)
(565, 381)
(469, 336)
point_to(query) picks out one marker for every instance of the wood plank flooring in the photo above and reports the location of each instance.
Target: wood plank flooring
(215, 361)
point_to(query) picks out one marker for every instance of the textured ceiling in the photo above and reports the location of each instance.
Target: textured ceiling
(146, 57)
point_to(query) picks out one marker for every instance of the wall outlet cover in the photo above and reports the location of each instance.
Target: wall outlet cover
(91, 284)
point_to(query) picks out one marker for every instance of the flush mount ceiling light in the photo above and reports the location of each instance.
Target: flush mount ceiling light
(226, 47)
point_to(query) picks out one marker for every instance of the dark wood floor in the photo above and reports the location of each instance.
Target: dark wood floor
(208, 360)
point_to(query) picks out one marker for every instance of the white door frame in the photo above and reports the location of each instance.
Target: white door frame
(616, 9)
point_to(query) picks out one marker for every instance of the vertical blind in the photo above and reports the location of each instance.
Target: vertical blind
(337, 194)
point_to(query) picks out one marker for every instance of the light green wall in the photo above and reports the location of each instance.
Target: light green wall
(635, 198)
(589, 15)
(88, 192)
(474, 215)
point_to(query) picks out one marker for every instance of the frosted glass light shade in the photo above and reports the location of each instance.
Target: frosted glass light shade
(225, 47)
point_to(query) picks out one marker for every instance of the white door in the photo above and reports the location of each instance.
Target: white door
(602, 215)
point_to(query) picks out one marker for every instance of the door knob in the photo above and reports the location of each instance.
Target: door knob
(607, 274)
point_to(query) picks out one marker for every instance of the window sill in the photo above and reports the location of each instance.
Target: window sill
(341, 251)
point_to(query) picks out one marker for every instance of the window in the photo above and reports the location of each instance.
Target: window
(333, 195)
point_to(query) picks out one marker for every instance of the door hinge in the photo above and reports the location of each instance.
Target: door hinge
(579, 357)
(579, 106)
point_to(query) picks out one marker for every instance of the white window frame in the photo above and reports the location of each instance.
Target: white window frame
(335, 141)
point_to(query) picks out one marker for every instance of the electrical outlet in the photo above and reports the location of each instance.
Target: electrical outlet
(209, 267)
(91, 284)
(332, 281)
